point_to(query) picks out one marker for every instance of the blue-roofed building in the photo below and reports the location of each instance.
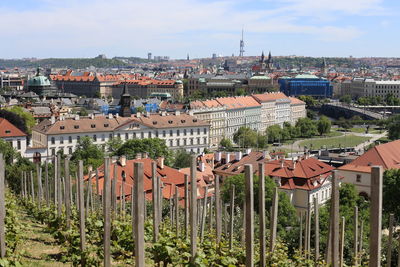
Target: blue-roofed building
(306, 84)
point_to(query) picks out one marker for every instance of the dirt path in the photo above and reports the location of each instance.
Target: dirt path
(38, 247)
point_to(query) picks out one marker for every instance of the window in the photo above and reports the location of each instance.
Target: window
(126, 136)
(110, 136)
(119, 135)
(178, 133)
(149, 134)
(70, 139)
(171, 143)
(205, 130)
(62, 127)
(61, 140)
(358, 178)
(95, 138)
(78, 138)
(177, 142)
(53, 152)
(93, 125)
(76, 126)
(105, 125)
(134, 135)
(184, 142)
(205, 140)
(164, 133)
(103, 137)
(198, 140)
(53, 140)
(191, 131)
(142, 135)
(171, 133)
(184, 132)
(191, 141)
(70, 150)
(198, 130)
(19, 144)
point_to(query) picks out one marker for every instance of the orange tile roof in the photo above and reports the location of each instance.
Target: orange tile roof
(238, 102)
(7, 129)
(296, 101)
(267, 97)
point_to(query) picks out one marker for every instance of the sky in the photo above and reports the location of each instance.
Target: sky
(175, 28)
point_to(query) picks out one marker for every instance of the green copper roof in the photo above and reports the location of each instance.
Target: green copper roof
(39, 81)
(306, 76)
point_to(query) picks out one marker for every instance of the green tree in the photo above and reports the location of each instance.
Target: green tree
(226, 144)
(83, 112)
(90, 153)
(391, 191)
(309, 100)
(26, 116)
(393, 127)
(9, 153)
(274, 133)
(181, 159)
(140, 109)
(114, 144)
(245, 137)
(307, 127)
(346, 99)
(155, 148)
(324, 125)
(240, 92)
(342, 122)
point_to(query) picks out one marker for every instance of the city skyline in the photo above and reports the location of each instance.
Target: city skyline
(49, 28)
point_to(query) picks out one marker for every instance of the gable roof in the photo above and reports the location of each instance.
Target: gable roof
(7, 129)
(386, 155)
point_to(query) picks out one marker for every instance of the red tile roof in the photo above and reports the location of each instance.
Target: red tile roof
(7, 129)
(267, 97)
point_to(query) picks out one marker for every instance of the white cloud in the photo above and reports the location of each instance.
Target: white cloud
(128, 26)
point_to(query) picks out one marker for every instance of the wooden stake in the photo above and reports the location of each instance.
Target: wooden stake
(106, 212)
(218, 217)
(355, 248)
(316, 221)
(360, 244)
(335, 220)
(375, 217)
(231, 221)
(301, 234)
(55, 165)
(81, 213)
(390, 240)
(177, 211)
(274, 220)
(249, 194)
(46, 184)
(342, 232)
(67, 193)
(2, 207)
(186, 205)
(155, 195)
(261, 212)
(39, 183)
(59, 194)
(139, 215)
(203, 214)
(32, 186)
(193, 208)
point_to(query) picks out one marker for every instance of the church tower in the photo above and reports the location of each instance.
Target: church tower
(125, 102)
(270, 63)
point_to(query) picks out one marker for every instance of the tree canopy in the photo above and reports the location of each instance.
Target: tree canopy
(245, 137)
(90, 153)
(324, 125)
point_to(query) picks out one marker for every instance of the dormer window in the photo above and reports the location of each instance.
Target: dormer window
(183, 121)
(8, 131)
(106, 125)
(194, 120)
(62, 127)
(154, 122)
(76, 126)
(93, 125)
(170, 122)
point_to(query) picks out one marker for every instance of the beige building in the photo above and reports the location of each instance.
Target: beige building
(298, 110)
(361, 87)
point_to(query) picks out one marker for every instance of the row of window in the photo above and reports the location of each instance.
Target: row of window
(185, 142)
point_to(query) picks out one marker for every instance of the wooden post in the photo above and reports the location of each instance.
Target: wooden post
(106, 212)
(274, 220)
(355, 248)
(261, 212)
(114, 190)
(335, 220)
(218, 221)
(32, 186)
(398, 253)
(171, 212)
(231, 219)
(193, 207)
(301, 234)
(97, 190)
(186, 205)
(375, 217)
(177, 211)
(225, 219)
(81, 213)
(67, 193)
(2, 207)
(342, 232)
(203, 214)
(308, 240)
(390, 240)
(91, 191)
(22, 185)
(144, 206)
(55, 166)
(360, 243)
(59, 194)
(88, 196)
(211, 212)
(123, 197)
(248, 169)
(156, 206)
(316, 221)
(139, 214)
(39, 183)
(46, 183)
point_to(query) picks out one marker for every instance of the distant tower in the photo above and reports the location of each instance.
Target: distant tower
(325, 68)
(149, 56)
(125, 102)
(241, 51)
(270, 62)
(187, 57)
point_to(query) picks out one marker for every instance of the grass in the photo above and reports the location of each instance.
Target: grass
(348, 141)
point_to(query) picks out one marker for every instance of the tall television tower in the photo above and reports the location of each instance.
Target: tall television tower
(241, 51)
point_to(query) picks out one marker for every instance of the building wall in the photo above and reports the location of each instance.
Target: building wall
(298, 111)
(217, 119)
(18, 143)
(361, 180)
(312, 87)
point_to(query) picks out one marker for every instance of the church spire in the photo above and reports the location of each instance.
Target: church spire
(125, 102)
(262, 57)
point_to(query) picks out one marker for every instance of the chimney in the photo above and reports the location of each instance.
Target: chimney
(161, 162)
(114, 160)
(202, 166)
(77, 117)
(110, 116)
(90, 168)
(138, 156)
(227, 157)
(238, 155)
(248, 151)
(265, 154)
(144, 155)
(53, 119)
(122, 161)
(91, 116)
(294, 164)
(177, 113)
(138, 115)
(218, 156)
(282, 163)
